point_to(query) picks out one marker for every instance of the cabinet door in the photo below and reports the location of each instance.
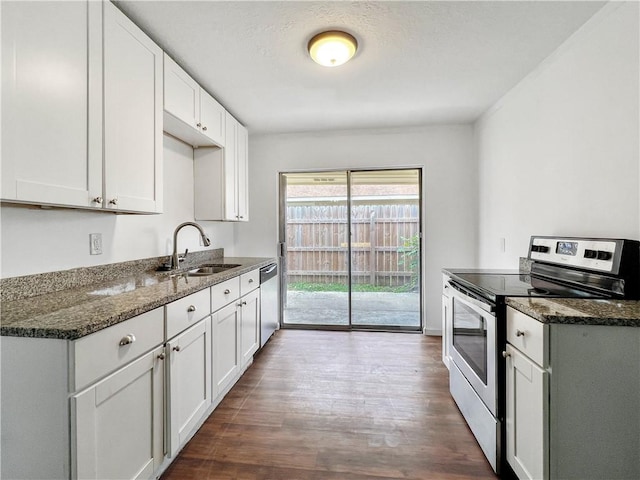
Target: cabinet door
(189, 382)
(51, 102)
(181, 93)
(447, 328)
(225, 347)
(527, 417)
(242, 155)
(117, 429)
(230, 169)
(249, 326)
(132, 116)
(212, 118)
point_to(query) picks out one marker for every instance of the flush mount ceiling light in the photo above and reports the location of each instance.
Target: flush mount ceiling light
(332, 48)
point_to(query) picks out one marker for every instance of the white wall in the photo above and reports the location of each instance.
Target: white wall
(449, 188)
(36, 240)
(559, 154)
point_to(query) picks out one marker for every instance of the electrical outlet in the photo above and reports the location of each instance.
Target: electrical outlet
(95, 243)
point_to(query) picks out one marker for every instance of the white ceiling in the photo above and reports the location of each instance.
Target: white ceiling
(420, 62)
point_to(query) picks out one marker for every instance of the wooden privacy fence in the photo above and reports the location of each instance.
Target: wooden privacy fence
(317, 246)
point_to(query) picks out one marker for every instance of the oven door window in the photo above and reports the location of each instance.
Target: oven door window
(470, 337)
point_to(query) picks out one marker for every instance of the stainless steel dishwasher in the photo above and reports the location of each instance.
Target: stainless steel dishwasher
(269, 321)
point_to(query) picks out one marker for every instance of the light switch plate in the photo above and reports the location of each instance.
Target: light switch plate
(95, 243)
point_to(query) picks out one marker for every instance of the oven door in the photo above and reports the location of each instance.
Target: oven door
(473, 346)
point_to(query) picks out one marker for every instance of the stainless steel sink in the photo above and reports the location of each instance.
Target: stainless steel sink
(205, 270)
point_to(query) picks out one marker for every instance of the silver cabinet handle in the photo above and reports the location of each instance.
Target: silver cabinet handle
(192, 308)
(239, 304)
(227, 291)
(240, 216)
(176, 348)
(198, 124)
(161, 356)
(506, 354)
(251, 280)
(127, 340)
(97, 200)
(519, 333)
(204, 128)
(244, 303)
(113, 201)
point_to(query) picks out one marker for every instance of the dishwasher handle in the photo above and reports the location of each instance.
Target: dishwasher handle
(268, 272)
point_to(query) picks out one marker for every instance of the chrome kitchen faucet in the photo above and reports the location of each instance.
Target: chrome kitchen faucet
(175, 260)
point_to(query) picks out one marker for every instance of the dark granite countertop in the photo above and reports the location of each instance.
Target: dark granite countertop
(623, 313)
(75, 312)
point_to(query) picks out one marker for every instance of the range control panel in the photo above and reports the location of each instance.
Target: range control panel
(591, 254)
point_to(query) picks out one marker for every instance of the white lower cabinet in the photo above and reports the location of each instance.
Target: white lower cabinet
(527, 416)
(236, 333)
(226, 363)
(249, 326)
(120, 403)
(93, 408)
(189, 382)
(572, 400)
(117, 423)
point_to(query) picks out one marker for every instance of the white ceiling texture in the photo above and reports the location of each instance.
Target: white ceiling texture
(420, 62)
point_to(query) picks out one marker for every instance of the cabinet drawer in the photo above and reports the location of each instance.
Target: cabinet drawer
(102, 352)
(185, 312)
(249, 281)
(528, 335)
(224, 293)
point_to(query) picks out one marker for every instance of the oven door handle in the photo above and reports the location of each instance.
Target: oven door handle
(468, 297)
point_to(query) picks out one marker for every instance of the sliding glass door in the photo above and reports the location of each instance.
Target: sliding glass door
(351, 249)
(385, 242)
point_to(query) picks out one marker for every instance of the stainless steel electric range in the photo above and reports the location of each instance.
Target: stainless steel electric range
(562, 267)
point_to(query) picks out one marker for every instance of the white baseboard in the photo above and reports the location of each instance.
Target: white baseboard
(433, 332)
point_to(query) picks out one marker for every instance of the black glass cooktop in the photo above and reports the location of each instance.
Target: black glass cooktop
(492, 285)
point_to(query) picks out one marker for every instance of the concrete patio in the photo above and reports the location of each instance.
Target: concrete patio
(369, 308)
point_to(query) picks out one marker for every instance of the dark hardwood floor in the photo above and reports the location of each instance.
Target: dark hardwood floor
(337, 405)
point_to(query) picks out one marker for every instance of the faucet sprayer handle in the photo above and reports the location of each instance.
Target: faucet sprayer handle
(184, 255)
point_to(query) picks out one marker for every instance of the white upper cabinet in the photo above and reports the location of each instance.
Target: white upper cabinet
(132, 116)
(51, 97)
(82, 86)
(190, 113)
(212, 118)
(242, 159)
(221, 177)
(181, 96)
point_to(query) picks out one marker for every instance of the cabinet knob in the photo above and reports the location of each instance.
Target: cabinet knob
(198, 124)
(176, 348)
(204, 129)
(192, 308)
(240, 216)
(113, 201)
(127, 340)
(251, 280)
(506, 354)
(244, 303)
(97, 200)
(161, 356)
(519, 333)
(227, 291)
